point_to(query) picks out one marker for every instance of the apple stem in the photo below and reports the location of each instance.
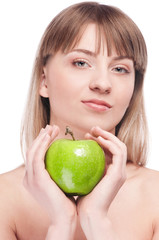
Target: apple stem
(69, 131)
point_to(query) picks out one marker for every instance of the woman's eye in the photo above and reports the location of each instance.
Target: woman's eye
(120, 70)
(80, 63)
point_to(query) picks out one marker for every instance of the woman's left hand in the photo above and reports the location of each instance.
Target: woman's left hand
(93, 208)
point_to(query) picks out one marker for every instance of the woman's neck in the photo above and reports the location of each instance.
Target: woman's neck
(78, 134)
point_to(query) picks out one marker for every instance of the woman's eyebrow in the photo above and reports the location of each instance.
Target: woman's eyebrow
(85, 51)
(121, 58)
(94, 54)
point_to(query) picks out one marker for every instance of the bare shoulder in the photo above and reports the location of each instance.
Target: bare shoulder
(150, 182)
(150, 192)
(20, 214)
(144, 183)
(10, 185)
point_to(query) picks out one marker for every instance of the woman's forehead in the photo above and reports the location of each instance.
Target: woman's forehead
(93, 39)
(88, 39)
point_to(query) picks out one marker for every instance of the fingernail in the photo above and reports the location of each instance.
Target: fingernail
(87, 135)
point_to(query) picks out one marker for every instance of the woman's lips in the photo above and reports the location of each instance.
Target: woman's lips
(98, 105)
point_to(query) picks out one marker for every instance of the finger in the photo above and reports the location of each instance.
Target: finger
(39, 147)
(31, 151)
(32, 158)
(117, 151)
(89, 136)
(109, 142)
(50, 130)
(44, 143)
(119, 155)
(118, 147)
(97, 131)
(54, 134)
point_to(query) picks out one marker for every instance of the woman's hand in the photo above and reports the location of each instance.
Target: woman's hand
(93, 208)
(37, 181)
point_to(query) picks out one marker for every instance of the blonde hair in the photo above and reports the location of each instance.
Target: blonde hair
(63, 33)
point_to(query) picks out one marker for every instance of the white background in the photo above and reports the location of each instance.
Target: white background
(22, 24)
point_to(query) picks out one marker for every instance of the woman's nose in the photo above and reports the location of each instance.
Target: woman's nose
(100, 82)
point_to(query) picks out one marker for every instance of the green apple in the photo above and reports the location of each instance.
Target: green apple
(75, 165)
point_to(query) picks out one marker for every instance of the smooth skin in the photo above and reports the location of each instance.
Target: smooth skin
(89, 208)
(124, 204)
(36, 180)
(80, 75)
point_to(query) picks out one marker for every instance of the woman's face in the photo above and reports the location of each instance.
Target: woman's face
(86, 89)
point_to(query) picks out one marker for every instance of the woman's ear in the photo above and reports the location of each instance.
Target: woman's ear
(43, 90)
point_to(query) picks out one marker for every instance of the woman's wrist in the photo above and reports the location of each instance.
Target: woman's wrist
(96, 228)
(63, 231)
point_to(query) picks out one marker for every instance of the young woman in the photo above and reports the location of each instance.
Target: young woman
(88, 75)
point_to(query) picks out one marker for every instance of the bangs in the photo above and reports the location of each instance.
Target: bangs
(114, 27)
(116, 31)
(104, 36)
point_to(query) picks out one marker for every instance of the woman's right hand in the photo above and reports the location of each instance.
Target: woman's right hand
(37, 181)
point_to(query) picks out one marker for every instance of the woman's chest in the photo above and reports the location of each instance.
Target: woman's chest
(127, 224)
(128, 212)
(131, 214)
